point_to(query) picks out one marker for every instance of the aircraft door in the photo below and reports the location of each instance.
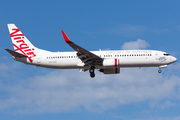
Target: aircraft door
(39, 59)
(157, 56)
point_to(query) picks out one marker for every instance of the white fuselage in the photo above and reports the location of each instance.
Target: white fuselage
(126, 58)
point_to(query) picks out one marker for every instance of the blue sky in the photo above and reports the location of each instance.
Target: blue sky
(28, 92)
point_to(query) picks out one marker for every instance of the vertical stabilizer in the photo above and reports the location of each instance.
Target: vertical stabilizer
(20, 43)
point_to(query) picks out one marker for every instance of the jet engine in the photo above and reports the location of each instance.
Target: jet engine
(110, 71)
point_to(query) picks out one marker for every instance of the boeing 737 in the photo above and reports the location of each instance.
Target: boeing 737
(108, 62)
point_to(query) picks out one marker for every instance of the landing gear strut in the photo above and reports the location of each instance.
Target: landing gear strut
(91, 71)
(162, 66)
(159, 71)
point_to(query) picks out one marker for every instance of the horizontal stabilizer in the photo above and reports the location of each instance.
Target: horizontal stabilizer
(15, 54)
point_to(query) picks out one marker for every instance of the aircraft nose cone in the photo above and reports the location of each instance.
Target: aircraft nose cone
(174, 59)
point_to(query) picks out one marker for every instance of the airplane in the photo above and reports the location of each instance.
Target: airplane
(108, 62)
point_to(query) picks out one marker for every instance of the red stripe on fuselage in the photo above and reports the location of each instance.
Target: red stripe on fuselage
(116, 65)
(115, 62)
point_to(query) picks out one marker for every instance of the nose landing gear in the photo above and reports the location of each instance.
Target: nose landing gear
(159, 71)
(163, 66)
(91, 71)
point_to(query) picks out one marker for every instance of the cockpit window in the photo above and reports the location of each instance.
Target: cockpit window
(166, 54)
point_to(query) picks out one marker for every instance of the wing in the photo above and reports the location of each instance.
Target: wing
(87, 57)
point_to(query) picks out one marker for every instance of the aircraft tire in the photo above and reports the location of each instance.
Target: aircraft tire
(92, 75)
(91, 70)
(159, 71)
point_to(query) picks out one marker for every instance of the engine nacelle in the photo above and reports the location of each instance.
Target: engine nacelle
(110, 71)
(110, 62)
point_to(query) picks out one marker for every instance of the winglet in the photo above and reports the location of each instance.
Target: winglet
(65, 37)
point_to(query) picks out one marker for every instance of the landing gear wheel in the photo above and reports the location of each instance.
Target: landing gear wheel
(92, 75)
(159, 71)
(91, 71)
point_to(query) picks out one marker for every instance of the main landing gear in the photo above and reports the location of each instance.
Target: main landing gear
(91, 71)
